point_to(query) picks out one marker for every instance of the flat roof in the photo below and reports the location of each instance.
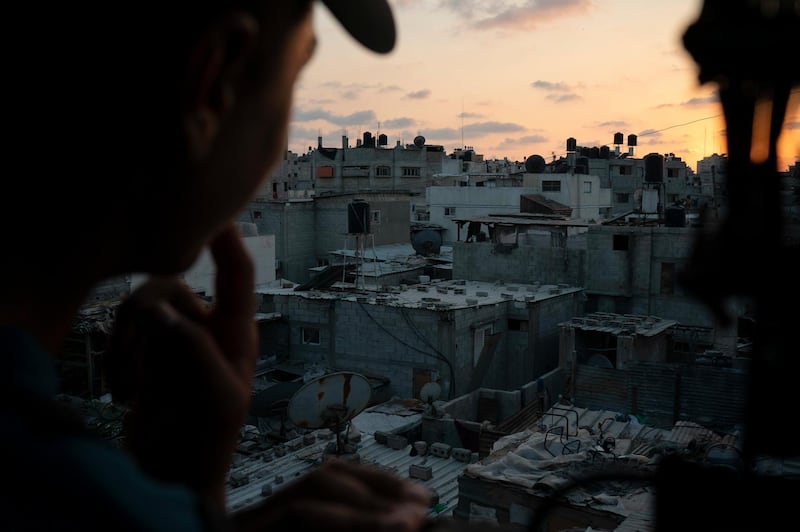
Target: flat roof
(620, 323)
(438, 294)
(507, 219)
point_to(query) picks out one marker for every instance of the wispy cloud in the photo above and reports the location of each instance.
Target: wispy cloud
(561, 98)
(698, 102)
(613, 123)
(398, 122)
(526, 140)
(509, 14)
(467, 114)
(419, 95)
(793, 125)
(551, 86)
(353, 119)
(486, 128)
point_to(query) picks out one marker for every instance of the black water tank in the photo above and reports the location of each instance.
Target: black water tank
(654, 168)
(675, 216)
(605, 152)
(383, 140)
(618, 138)
(594, 152)
(631, 140)
(358, 217)
(369, 140)
(571, 144)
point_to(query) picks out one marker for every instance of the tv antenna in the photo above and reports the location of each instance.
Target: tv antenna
(331, 401)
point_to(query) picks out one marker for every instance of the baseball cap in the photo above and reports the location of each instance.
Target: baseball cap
(370, 22)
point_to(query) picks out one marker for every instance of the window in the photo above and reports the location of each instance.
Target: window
(620, 242)
(673, 172)
(623, 197)
(480, 337)
(587, 187)
(383, 171)
(517, 325)
(626, 170)
(310, 335)
(449, 211)
(551, 186)
(323, 262)
(409, 171)
(376, 217)
(667, 278)
(256, 215)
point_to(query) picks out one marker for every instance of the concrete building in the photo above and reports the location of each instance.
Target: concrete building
(636, 270)
(307, 230)
(446, 204)
(463, 334)
(588, 195)
(607, 182)
(625, 269)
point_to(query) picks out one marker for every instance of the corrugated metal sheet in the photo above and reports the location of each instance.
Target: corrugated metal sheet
(715, 397)
(652, 392)
(638, 522)
(601, 388)
(282, 470)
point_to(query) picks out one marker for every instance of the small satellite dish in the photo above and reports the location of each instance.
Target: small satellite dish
(330, 400)
(430, 392)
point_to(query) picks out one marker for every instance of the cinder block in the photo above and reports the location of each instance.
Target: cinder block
(396, 442)
(381, 437)
(461, 454)
(420, 472)
(441, 450)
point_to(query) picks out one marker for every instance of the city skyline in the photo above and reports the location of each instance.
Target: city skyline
(513, 78)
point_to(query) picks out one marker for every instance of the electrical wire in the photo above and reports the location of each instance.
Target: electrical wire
(437, 355)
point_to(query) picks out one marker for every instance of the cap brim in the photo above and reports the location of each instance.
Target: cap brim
(370, 22)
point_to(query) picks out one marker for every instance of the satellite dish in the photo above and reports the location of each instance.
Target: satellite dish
(430, 392)
(600, 361)
(330, 400)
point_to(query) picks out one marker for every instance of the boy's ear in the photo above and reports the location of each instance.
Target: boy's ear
(214, 77)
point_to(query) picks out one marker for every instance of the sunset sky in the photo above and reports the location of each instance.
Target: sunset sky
(514, 78)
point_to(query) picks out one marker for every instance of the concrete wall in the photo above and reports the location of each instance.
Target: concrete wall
(526, 263)
(395, 341)
(470, 202)
(394, 226)
(632, 280)
(662, 394)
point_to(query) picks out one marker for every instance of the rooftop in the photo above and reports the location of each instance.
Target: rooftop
(620, 323)
(438, 294)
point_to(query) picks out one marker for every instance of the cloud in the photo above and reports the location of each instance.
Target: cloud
(793, 125)
(561, 98)
(551, 86)
(510, 14)
(613, 123)
(521, 141)
(390, 88)
(397, 123)
(353, 119)
(467, 114)
(419, 95)
(486, 128)
(697, 102)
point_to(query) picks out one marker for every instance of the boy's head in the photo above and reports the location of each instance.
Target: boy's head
(161, 120)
